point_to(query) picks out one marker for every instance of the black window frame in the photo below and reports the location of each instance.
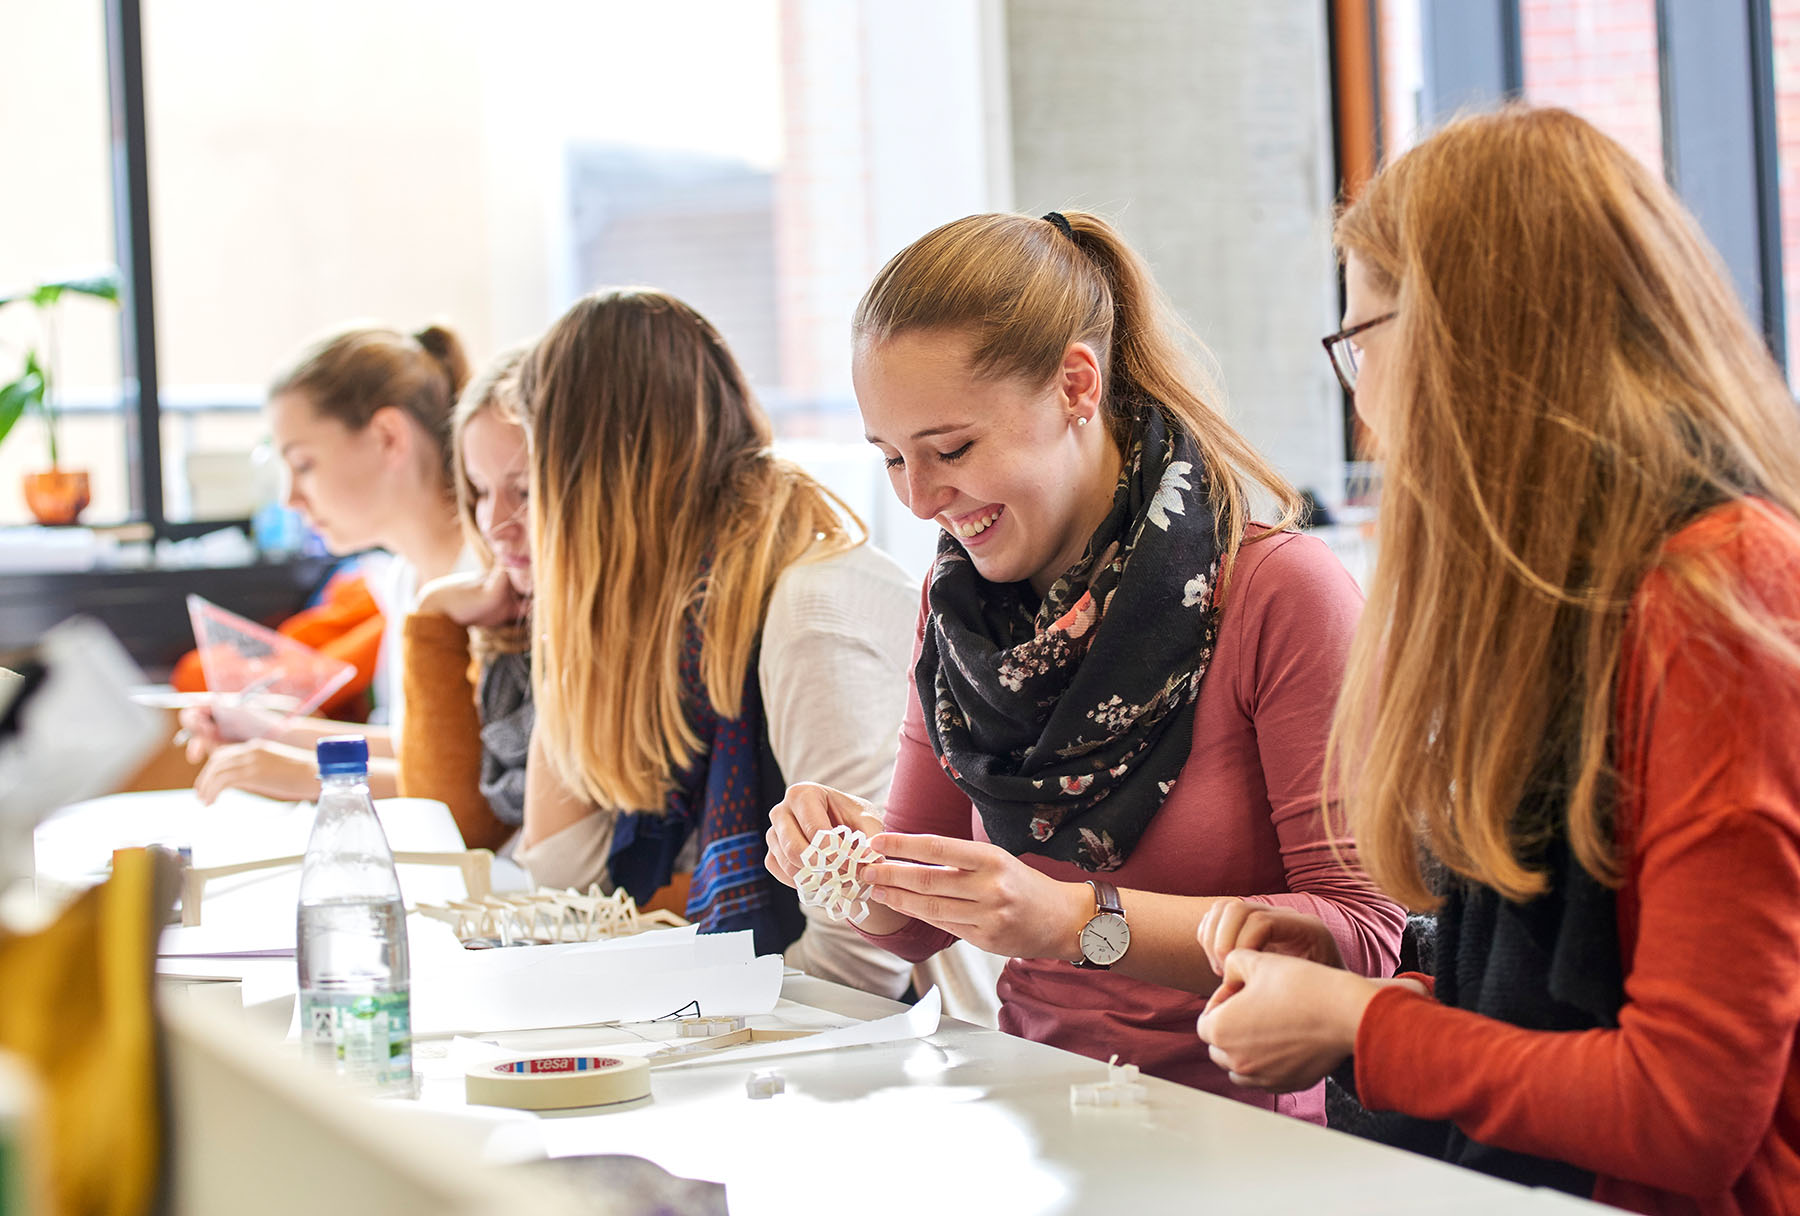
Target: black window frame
(140, 390)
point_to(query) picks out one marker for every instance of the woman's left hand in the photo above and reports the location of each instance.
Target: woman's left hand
(273, 770)
(1280, 1023)
(473, 598)
(1231, 923)
(981, 893)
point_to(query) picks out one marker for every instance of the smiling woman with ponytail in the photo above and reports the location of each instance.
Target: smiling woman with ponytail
(1123, 682)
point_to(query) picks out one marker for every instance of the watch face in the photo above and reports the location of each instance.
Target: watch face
(1104, 939)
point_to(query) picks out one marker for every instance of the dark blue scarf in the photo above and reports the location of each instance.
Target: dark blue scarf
(724, 796)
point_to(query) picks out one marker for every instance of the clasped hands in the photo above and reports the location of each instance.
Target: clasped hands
(1285, 1012)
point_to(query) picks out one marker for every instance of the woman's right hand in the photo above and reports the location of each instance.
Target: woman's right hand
(473, 598)
(201, 730)
(808, 810)
(1242, 924)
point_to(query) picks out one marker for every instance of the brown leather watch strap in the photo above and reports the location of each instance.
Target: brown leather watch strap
(1106, 901)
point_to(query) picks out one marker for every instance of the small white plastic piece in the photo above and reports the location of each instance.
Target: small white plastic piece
(830, 874)
(1121, 1088)
(706, 1028)
(764, 1084)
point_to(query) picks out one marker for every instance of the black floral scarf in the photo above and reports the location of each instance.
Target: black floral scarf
(1067, 721)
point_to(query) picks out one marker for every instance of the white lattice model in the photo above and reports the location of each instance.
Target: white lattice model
(1121, 1088)
(545, 916)
(830, 874)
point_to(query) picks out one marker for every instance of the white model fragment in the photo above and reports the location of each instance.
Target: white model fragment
(706, 1028)
(830, 874)
(1121, 1088)
(764, 1084)
(545, 916)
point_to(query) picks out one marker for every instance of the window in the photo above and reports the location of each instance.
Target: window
(61, 195)
(1785, 18)
(760, 159)
(1598, 59)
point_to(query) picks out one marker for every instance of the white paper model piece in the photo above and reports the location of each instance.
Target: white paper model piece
(830, 874)
(1121, 1088)
(706, 1028)
(764, 1084)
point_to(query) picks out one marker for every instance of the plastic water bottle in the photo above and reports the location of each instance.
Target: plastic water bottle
(355, 982)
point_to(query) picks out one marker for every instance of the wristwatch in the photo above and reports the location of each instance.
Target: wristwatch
(1106, 937)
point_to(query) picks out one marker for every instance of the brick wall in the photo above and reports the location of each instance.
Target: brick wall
(1597, 58)
(1786, 14)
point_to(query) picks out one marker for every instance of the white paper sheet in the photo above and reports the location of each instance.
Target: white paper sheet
(247, 915)
(252, 915)
(77, 842)
(262, 979)
(914, 1023)
(457, 991)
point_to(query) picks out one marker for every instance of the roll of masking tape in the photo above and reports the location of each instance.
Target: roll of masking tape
(558, 1082)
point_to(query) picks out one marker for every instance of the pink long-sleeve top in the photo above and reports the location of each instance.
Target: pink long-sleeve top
(1242, 819)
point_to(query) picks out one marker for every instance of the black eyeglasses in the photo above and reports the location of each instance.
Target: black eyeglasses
(1343, 355)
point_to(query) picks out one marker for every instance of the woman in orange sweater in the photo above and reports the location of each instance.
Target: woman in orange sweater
(469, 728)
(1570, 716)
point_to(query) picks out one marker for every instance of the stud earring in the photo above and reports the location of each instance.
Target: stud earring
(1081, 421)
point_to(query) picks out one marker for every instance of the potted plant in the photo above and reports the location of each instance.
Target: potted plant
(55, 495)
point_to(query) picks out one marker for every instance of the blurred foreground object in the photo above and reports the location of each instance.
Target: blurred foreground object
(68, 731)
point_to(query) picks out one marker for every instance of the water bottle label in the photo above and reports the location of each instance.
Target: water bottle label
(365, 1036)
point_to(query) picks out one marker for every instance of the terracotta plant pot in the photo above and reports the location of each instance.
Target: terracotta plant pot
(56, 496)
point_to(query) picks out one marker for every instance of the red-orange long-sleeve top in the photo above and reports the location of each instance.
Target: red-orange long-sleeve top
(1692, 1105)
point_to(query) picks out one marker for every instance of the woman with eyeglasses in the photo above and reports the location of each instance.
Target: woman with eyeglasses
(1122, 682)
(1571, 720)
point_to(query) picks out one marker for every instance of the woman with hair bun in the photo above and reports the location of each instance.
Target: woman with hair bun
(361, 422)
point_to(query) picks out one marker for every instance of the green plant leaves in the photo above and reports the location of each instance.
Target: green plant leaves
(31, 389)
(26, 392)
(101, 286)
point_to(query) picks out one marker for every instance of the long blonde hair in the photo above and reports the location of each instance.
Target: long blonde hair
(1026, 292)
(1572, 379)
(494, 391)
(655, 503)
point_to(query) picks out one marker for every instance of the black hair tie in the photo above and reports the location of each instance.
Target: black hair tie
(1061, 222)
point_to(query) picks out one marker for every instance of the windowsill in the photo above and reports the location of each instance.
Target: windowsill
(77, 548)
(146, 606)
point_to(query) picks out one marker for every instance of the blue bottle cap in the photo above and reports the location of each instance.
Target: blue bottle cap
(342, 754)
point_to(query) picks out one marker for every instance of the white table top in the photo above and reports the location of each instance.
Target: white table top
(977, 1121)
(963, 1120)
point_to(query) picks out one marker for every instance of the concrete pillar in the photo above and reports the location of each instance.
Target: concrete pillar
(1202, 128)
